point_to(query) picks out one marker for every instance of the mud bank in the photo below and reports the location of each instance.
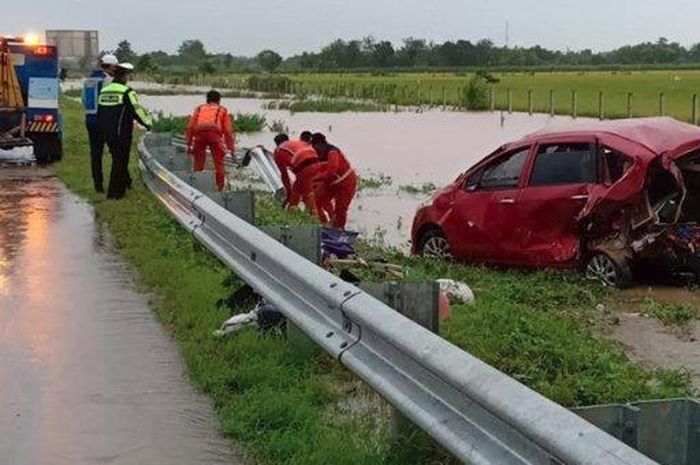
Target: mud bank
(88, 376)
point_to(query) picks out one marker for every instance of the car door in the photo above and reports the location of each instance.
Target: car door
(479, 224)
(561, 176)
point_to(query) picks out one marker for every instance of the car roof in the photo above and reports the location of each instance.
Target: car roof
(660, 135)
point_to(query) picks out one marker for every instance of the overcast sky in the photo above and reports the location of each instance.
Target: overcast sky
(290, 27)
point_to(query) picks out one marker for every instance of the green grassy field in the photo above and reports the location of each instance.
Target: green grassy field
(678, 87)
(645, 86)
(540, 328)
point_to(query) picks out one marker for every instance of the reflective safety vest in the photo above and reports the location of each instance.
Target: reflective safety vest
(209, 117)
(92, 86)
(303, 155)
(118, 107)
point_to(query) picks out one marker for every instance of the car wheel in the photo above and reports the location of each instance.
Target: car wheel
(608, 270)
(433, 243)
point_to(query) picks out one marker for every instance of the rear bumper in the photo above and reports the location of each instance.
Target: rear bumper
(36, 126)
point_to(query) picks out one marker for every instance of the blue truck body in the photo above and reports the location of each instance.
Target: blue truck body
(37, 71)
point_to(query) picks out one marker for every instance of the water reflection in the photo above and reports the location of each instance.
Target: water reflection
(86, 373)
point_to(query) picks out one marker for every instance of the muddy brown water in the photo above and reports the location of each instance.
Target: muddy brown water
(87, 376)
(413, 148)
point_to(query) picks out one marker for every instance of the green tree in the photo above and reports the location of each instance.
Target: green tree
(124, 53)
(192, 51)
(269, 60)
(145, 63)
(207, 67)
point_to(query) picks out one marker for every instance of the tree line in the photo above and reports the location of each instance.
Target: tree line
(372, 54)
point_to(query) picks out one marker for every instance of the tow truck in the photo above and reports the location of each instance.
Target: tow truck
(30, 121)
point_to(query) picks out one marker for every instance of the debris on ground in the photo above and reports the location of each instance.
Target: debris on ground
(457, 290)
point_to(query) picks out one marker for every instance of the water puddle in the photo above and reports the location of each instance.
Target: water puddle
(87, 375)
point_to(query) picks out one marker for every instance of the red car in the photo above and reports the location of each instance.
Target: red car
(604, 197)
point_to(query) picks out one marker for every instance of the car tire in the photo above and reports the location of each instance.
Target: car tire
(608, 270)
(48, 147)
(433, 243)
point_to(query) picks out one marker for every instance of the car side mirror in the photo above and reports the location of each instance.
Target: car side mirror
(471, 188)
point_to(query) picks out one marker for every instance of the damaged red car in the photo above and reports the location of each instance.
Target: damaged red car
(609, 198)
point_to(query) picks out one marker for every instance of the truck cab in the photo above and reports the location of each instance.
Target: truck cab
(30, 120)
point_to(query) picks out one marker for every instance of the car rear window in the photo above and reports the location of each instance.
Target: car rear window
(557, 164)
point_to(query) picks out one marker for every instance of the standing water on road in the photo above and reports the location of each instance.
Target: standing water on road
(87, 375)
(413, 149)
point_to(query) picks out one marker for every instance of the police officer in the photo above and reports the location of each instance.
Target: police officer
(118, 108)
(96, 80)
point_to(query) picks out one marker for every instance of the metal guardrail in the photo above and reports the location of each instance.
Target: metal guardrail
(476, 412)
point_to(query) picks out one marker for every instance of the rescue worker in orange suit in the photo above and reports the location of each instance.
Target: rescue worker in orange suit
(301, 159)
(338, 181)
(210, 127)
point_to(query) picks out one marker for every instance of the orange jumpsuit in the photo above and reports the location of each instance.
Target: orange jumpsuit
(302, 160)
(210, 127)
(338, 184)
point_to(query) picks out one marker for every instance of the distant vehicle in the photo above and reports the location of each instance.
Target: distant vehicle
(29, 89)
(605, 197)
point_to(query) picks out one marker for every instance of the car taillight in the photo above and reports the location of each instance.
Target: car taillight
(44, 118)
(43, 51)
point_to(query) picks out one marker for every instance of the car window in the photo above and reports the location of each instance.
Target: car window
(504, 172)
(473, 180)
(616, 164)
(558, 164)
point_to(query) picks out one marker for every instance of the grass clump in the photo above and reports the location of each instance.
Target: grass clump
(671, 314)
(325, 106)
(537, 327)
(243, 122)
(424, 189)
(375, 182)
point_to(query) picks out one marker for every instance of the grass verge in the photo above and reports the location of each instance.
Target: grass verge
(279, 409)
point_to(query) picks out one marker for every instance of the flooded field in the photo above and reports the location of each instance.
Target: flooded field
(87, 376)
(412, 148)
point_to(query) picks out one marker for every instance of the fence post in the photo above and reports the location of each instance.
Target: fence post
(574, 110)
(430, 95)
(551, 102)
(662, 109)
(509, 101)
(694, 111)
(629, 104)
(529, 102)
(601, 109)
(417, 301)
(492, 99)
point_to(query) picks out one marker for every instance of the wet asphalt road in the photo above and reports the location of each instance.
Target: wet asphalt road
(87, 376)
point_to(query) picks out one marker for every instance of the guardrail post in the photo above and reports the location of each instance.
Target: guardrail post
(694, 110)
(629, 104)
(509, 97)
(492, 99)
(662, 106)
(418, 301)
(529, 102)
(305, 241)
(574, 109)
(601, 108)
